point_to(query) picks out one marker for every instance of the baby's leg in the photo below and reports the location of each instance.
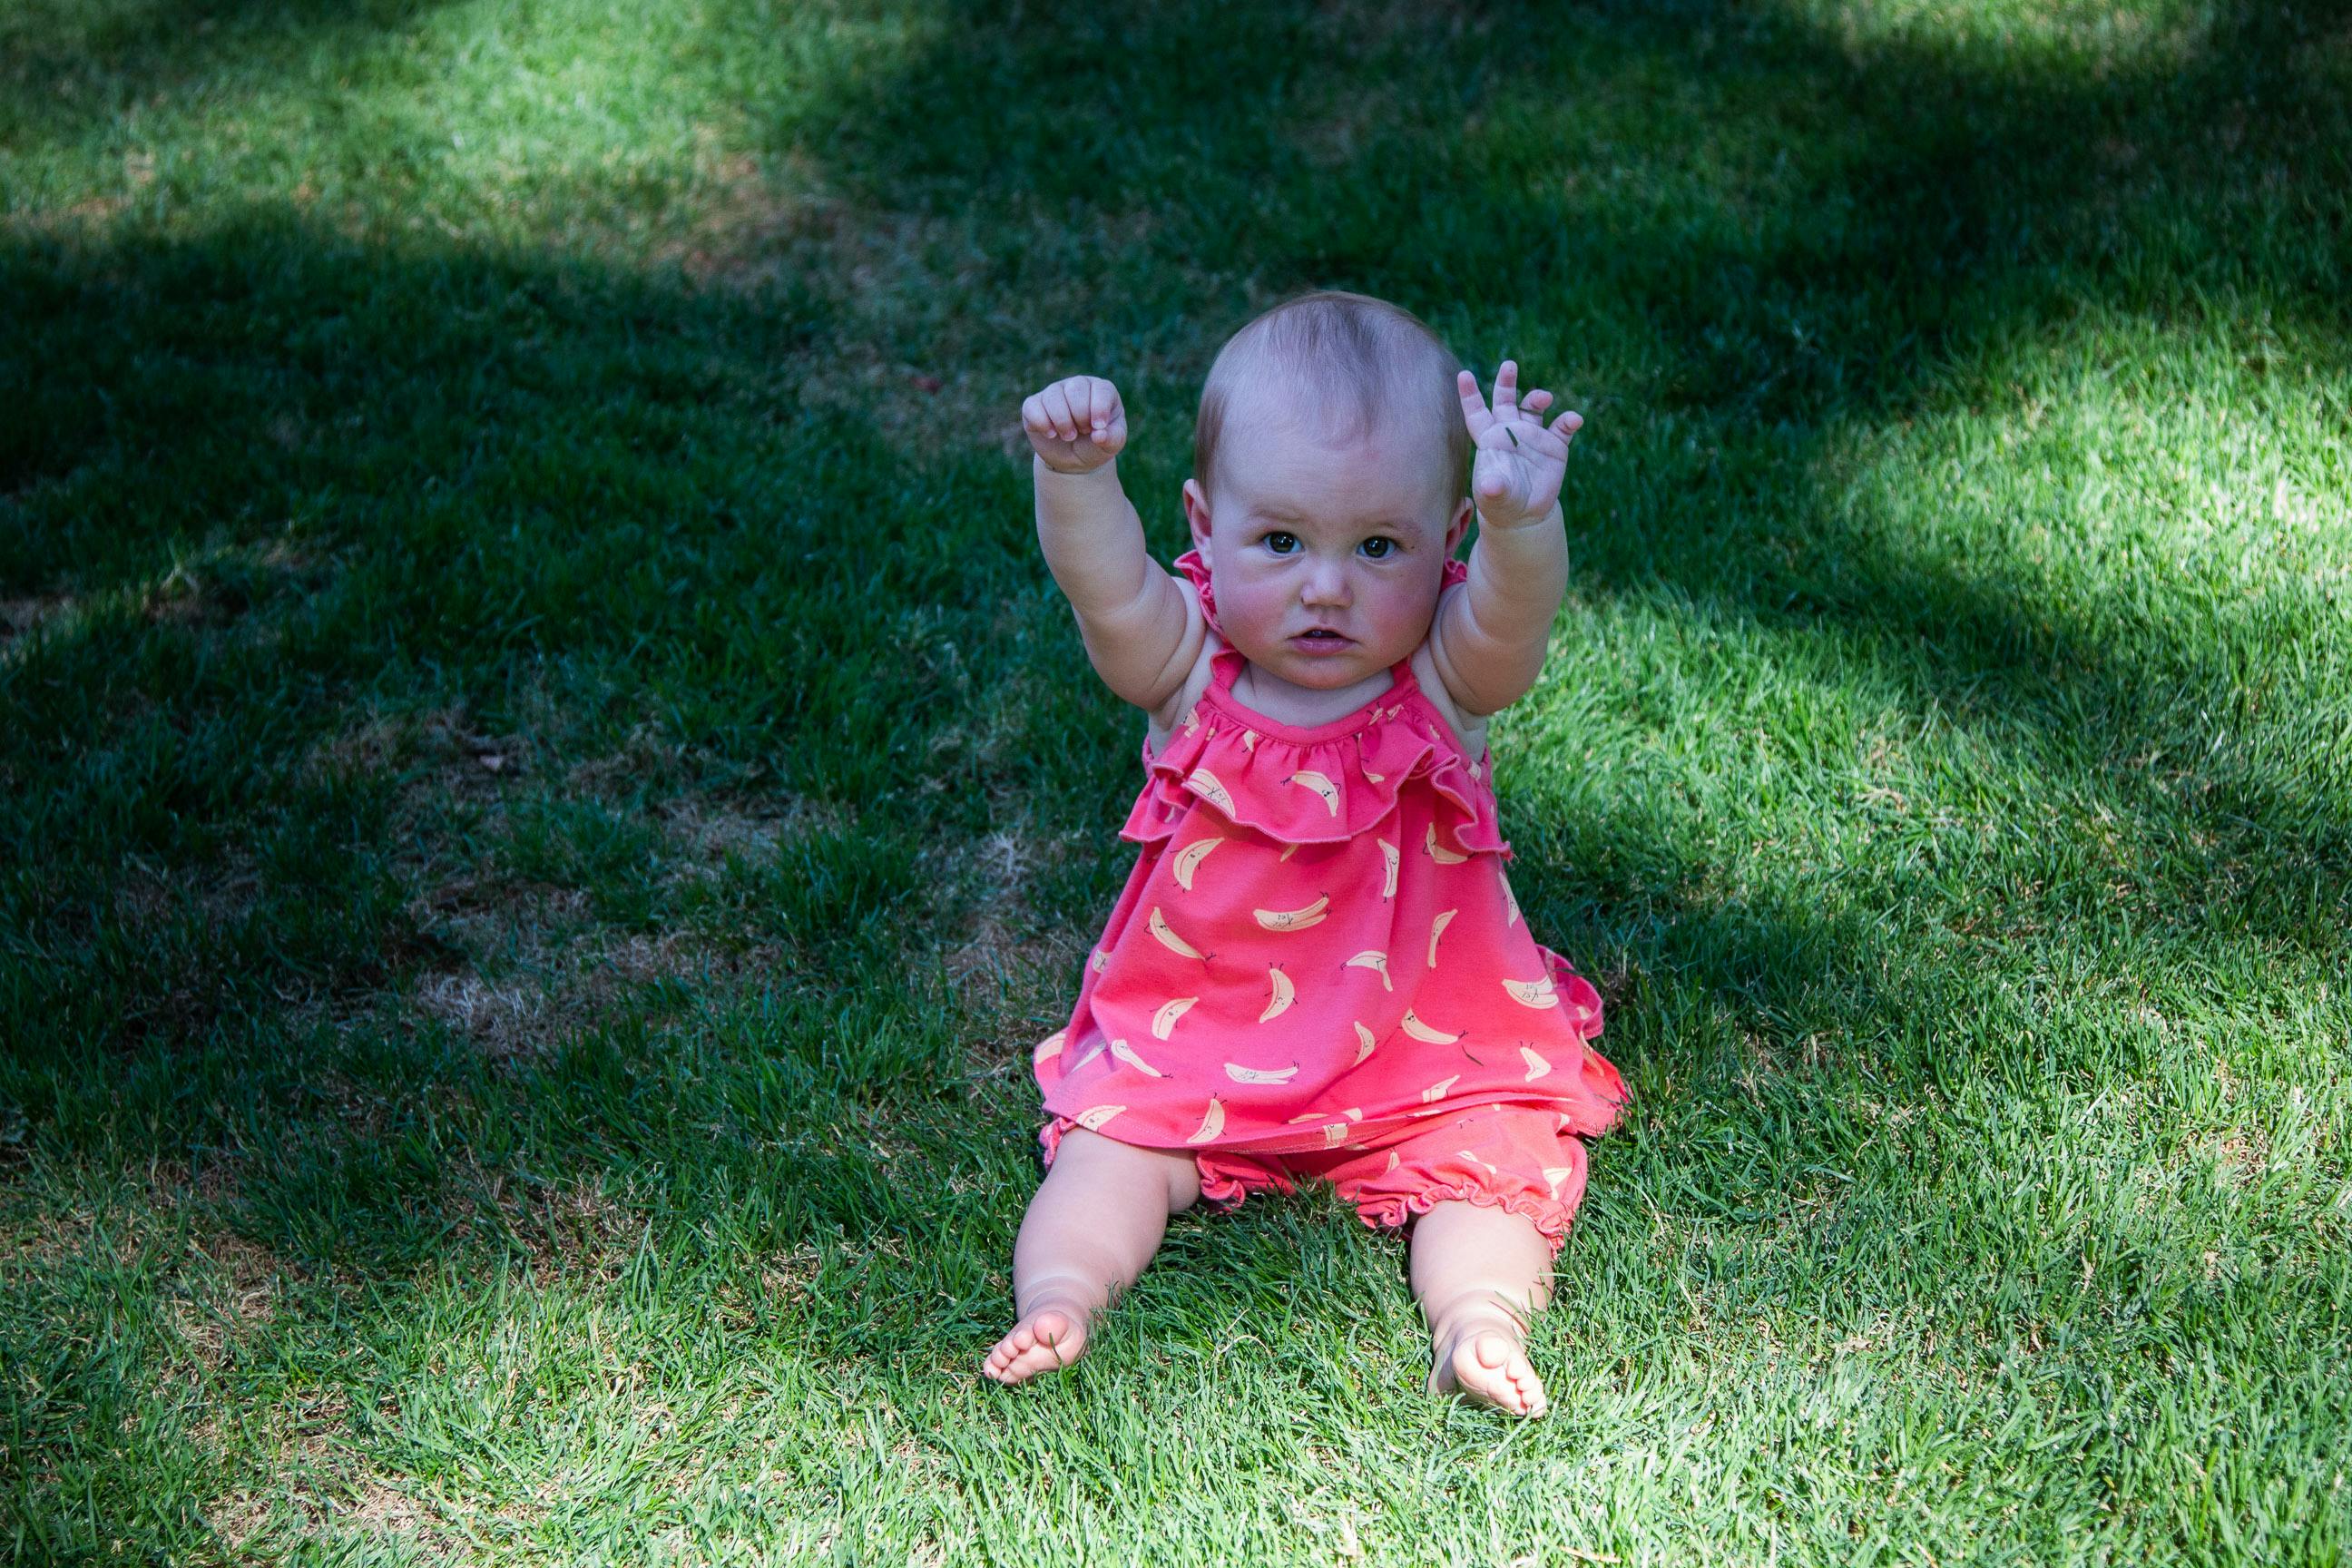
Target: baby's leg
(1095, 1223)
(1481, 1275)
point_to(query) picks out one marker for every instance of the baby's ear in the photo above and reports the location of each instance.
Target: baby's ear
(1196, 514)
(1459, 527)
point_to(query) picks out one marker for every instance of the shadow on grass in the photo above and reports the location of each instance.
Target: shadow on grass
(68, 65)
(1762, 231)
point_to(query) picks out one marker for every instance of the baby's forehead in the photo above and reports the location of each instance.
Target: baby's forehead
(1272, 380)
(1293, 411)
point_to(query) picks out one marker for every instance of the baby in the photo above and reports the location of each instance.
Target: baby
(1317, 968)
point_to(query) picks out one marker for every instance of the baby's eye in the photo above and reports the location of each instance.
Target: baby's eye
(1380, 548)
(1279, 543)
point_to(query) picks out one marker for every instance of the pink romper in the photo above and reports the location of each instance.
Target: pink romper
(1317, 970)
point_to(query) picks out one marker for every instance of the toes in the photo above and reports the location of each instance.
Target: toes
(1490, 1372)
(1046, 1341)
(1051, 1329)
(1494, 1368)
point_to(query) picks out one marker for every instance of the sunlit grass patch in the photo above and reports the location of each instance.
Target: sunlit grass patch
(549, 794)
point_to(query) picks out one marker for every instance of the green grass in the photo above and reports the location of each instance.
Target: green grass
(546, 787)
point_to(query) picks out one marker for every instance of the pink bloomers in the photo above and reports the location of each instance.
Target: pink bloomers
(1317, 970)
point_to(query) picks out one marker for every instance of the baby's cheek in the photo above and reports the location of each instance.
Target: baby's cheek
(1406, 610)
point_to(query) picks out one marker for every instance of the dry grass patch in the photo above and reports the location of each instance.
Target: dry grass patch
(20, 618)
(519, 963)
(442, 753)
(546, 988)
(1009, 976)
(575, 1230)
(768, 223)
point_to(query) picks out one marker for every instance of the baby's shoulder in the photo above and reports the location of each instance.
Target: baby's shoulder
(1469, 730)
(1162, 722)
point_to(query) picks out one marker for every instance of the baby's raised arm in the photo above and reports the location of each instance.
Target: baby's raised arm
(1141, 630)
(1491, 633)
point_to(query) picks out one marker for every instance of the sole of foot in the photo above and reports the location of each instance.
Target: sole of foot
(1048, 1340)
(1492, 1368)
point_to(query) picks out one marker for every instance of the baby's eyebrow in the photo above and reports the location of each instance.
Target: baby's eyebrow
(1273, 513)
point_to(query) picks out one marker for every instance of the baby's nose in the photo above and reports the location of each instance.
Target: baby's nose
(1327, 586)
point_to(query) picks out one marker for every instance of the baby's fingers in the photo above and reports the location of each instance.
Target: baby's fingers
(1101, 409)
(1058, 414)
(1474, 404)
(1507, 389)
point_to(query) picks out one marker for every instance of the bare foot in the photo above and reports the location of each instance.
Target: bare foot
(1485, 1359)
(1048, 1340)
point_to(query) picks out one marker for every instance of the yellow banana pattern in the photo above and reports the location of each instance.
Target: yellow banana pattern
(1240, 1074)
(1492, 1169)
(1050, 1047)
(1213, 1122)
(1364, 1043)
(1164, 1022)
(1537, 1065)
(1322, 784)
(1294, 920)
(1093, 1119)
(1188, 858)
(1437, 929)
(1537, 994)
(1375, 960)
(1443, 856)
(1168, 938)
(1125, 1053)
(1388, 857)
(1210, 789)
(1421, 1031)
(1436, 1091)
(1284, 994)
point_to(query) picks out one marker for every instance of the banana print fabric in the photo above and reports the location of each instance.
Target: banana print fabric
(1317, 970)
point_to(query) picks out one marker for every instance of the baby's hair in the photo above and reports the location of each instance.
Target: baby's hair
(1374, 360)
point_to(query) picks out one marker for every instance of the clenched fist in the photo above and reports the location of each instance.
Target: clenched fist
(1076, 424)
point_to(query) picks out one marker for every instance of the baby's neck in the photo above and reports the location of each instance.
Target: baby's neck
(1304, 706)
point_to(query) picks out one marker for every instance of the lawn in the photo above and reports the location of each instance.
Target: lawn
(546, 789)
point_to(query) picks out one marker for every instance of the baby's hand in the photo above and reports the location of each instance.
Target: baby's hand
(1515, 476)
(1076, 424)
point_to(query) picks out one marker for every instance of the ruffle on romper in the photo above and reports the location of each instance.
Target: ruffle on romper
(1552, 1218)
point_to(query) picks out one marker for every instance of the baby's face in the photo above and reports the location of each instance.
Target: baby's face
(1310, 532)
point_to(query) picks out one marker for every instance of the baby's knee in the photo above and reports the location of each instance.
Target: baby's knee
(1175, 1171)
